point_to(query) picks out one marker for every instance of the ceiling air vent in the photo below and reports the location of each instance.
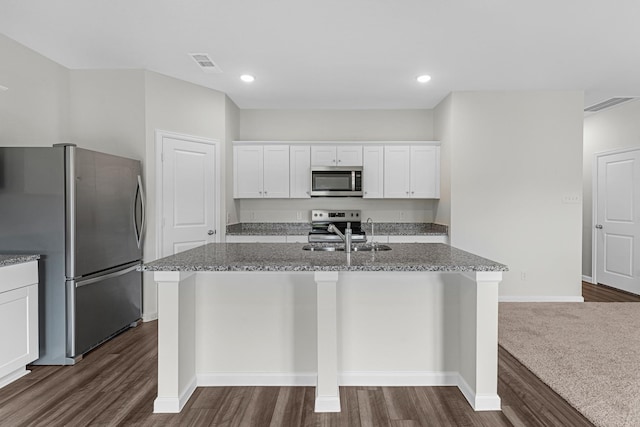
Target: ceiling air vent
(608, 103)
(205, 63)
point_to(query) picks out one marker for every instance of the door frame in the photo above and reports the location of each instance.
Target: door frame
(159, 192)
(594, 205)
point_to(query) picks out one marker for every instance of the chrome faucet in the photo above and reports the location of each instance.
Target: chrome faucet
(346, 237)
(373, 234)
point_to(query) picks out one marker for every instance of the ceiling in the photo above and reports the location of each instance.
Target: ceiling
(346, 54)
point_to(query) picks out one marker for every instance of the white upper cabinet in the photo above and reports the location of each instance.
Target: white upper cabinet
(336, 155)
(248, 166)
(373, 172)
(261, 171)
(412, 171)
(300, 172)
(425, 172)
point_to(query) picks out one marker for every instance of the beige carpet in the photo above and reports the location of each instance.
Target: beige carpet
(589, 353)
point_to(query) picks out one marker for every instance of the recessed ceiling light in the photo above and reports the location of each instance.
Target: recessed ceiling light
(423, 79)
(3, 88)
(247, 78)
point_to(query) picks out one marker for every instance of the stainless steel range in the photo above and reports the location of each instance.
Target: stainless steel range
(321, 219)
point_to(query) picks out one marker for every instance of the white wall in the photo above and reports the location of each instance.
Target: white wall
(175, 106)
(232, 128)
(107, 111)
(513, 156)
(35, 109)
(336, 125)
(611, 129)
(443, 132)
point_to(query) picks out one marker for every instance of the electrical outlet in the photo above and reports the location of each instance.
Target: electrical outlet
(523, 276)
(299, 215)
(228, 217)
(253, 216)
(401, 216)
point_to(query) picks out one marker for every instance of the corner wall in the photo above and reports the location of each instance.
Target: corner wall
(515, 155)
(611, 129)
(34, 111)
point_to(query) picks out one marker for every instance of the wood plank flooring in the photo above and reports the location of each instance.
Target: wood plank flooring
(116, 384)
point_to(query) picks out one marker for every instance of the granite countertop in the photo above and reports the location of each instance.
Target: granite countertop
(291, 257)
(302, 228)
(7, 260)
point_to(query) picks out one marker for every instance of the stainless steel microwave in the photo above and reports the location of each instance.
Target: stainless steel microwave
(336, 181)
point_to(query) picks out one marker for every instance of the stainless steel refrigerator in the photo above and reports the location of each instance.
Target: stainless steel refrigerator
(83, 212)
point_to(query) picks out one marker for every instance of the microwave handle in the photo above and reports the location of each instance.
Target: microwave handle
(353, 180)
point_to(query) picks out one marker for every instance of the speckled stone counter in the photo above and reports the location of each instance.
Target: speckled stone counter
(6, 260)
(301, 228)
(291, 257)
(407, 229)
(269, 229)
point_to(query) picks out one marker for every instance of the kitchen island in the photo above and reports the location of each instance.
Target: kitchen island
(274, 314)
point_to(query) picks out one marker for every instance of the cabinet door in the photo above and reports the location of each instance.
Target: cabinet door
(323, 155)
(300, 172)
(425, 172)
(349, 155)
(396, 171)
(372, 173)
(276, 171)
(247, 171)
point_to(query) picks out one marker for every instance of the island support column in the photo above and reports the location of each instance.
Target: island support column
(176, 340)
(327, 392)
(479, 339)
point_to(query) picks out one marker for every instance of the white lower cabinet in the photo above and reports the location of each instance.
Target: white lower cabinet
(18, 320)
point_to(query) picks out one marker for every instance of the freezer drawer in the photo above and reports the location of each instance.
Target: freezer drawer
(100, 307)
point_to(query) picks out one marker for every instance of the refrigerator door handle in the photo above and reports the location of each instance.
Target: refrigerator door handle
(140, 230)
(82, 283)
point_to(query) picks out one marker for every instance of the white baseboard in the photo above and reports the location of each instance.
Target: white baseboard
(588, 279)
(173, 405)
(397, 378)
(223, 379)
(479, 402)
(149, 317)
(540, 298)
(11, 377)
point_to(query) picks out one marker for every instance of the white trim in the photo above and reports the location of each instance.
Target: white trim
(588, 279)
(150, 317)
(283, 379)
(479, 402)
(327, 404)
(159, 135)
(11, 377)
(540, 298)
(398, 378)
(173, 405)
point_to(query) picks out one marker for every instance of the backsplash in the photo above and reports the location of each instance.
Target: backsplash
(298, 210)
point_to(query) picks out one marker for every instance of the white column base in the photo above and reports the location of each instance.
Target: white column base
(9, 378)
(327, 404)
(479, 402)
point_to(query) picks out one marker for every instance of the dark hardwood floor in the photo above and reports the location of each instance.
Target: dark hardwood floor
(116, 384)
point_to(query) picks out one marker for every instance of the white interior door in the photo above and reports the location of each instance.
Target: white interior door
(188, 195)
(617, 225)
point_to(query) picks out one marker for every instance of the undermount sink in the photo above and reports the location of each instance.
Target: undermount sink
(355, 248)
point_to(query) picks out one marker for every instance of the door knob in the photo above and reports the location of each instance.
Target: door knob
(599, 227)
(211, 232)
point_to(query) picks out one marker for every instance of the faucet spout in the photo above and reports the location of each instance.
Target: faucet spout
(346, 237)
